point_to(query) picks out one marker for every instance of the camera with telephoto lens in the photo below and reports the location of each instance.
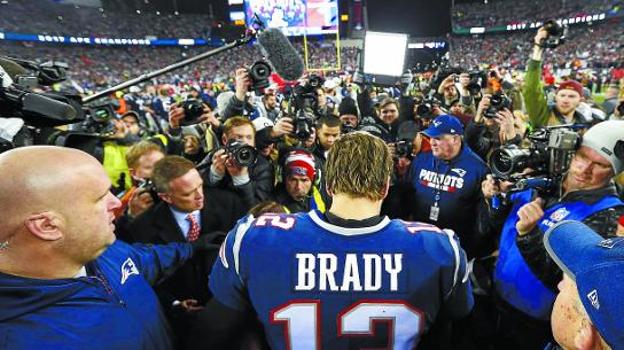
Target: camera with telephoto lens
(193, 109)
(498, 102)
(556, 34)
(549, 156)
(241, 154)
(259, 73)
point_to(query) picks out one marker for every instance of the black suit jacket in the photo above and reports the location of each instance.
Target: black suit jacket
(158, 226)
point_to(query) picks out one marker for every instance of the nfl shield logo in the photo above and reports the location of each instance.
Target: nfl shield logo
(559, 214)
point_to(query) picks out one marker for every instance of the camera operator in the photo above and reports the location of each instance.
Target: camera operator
(206, 126)
(253, 182)
(525, 279)
(448, 91)
(567, 98)
(141, 158)
(491, 128)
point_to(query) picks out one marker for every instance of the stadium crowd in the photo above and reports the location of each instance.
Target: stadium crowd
(54, 18)
(503, 12)
(503, 145)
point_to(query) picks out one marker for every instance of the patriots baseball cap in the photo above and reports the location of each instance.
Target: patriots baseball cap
(596, 265)
(444, 124)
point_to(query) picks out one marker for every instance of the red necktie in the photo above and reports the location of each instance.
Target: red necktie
(193, 232)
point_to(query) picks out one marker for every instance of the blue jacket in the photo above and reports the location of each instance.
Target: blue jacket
(113, 307)
(515, 283)
(457, 186)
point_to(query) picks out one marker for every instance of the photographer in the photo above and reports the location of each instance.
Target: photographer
(490, 128)
(525, 279)
(204, 125)
(227, 167)
(567, 98)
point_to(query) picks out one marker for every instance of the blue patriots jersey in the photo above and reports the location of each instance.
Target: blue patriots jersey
(315, 285)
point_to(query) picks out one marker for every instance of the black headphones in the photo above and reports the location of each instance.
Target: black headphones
(619, 149)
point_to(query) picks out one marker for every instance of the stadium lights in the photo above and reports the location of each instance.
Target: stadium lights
(477, 30)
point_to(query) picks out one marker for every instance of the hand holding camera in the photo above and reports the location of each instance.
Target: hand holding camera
(282, 127)
(242, 83)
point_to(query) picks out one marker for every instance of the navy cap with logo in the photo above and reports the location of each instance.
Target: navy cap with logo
(444, 124)
(597, 266)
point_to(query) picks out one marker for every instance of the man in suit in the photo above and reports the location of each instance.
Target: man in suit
(187, 211)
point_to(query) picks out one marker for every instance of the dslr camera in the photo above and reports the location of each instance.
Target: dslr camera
(241, 154)
(498, 102)
(193, 109)
(259, 73)
(556, 34)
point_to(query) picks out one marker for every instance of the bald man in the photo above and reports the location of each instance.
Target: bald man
(64, 280)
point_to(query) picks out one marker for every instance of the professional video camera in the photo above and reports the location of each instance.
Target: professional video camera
(548, 157)
(556, 34)
(259, 73)
(304, 106)
(498, 102)
(241, 153)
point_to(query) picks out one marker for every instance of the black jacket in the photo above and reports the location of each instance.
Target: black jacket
(482, 140)
(158, 226)
(258, 189)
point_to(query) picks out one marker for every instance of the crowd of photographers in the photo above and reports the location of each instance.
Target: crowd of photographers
(497, 155)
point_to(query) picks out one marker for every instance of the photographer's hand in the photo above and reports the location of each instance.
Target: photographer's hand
(219, 159)
(209, 117)
(505, 119)
(491, 187)
(235, 170)
(140, 201)
(538, 40)
(243, 82)
(483, 105)
(529, 214)
(176, 114)
(282, 127)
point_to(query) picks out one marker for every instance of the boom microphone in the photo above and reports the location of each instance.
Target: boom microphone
(281, 54)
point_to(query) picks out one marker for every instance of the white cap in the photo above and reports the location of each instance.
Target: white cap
(603, 137)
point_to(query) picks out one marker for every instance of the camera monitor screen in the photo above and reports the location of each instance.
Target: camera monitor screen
(384, 53)
(295, 17)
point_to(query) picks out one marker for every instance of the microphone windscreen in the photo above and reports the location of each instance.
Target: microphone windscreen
(281, 54)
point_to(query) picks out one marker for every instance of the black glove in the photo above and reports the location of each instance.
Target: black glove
(208, 242)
